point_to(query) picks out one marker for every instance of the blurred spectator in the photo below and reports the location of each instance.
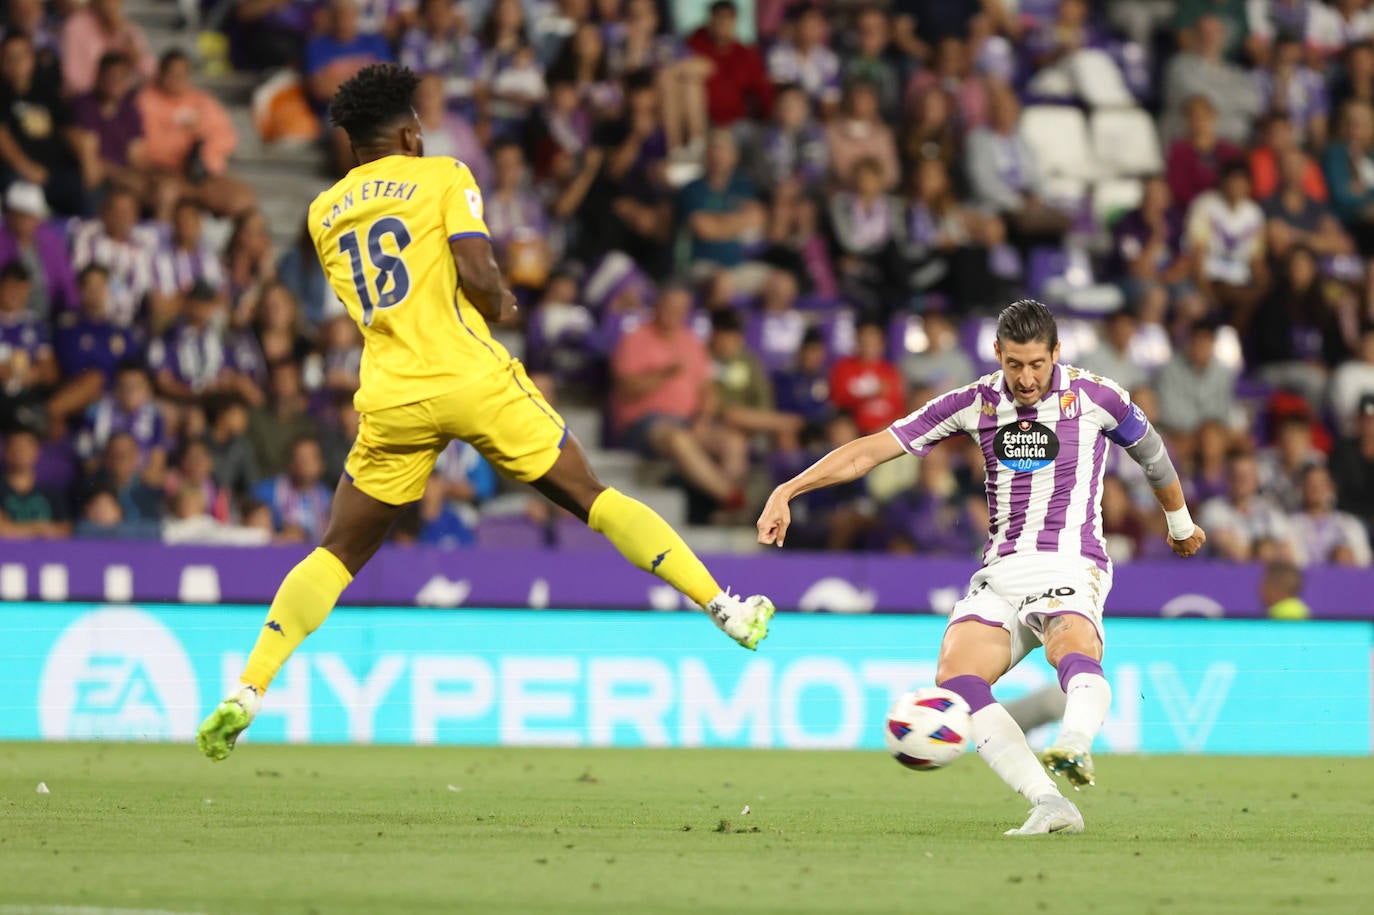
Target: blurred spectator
(300, 272)
(743, 390)
(128, 410)
(1224, 235)
(448, 132)
(340, 356)
(338, 420)
(235, 468)
(679, 77)
(1195, 160)
(662, 401)
(1352, 382)
(1281, 592)
(582, 61)
(941, 364)
(1122, 525)
(28, 369)
(932, 516)
(806, 59)
(1004, 173)
(40, 141)
(520, 229)
(110, 113)
(794, 144)
(102, 518)
(188, 140)
(1352, 465)
(298, 499)
(195, 467)
(1297, 331)
(1349, 167)
(796, 242)
(932, 132)
(27, 237)
(441, 43)
(1204, 70)
(462, 480)
(34, 19)
(94, 30)
(511, 72)
(189, 523)
(1296, 217)
(738, 86)
(866, 385)
(1290, 88)
(1354, 80)
(948, 244)
(280, 327)
(267, 34)
(90, 348)
(118, 243)
(27, 510)
(199, 355)
(1284, 463)
(185, 258)
(1322, 534)
(1244, 525)
(1205, 474)
(120, 473)
(804, 388)
(1195, 387)
(858, 134)
(1276, 140)
(722, 213)
(873, 60)
(1112, 357)
(249, 264)
(282, 420)
(340, 50)
(866, 224)
(967, 93)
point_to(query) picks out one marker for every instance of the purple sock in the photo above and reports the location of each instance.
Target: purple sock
(976, 691)
(1075, 663)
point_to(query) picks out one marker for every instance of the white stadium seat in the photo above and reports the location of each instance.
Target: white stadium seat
(1114, 197)
(1058, 134)
(1125, 142)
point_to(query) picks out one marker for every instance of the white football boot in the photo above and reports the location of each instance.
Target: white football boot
(1051, 813)
(743, 619)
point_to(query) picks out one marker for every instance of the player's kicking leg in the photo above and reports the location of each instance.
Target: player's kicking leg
(1073, 646)
(358, 524)
(972, 656)
(651, 544)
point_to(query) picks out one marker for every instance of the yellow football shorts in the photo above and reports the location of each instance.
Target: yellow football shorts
(503, 415)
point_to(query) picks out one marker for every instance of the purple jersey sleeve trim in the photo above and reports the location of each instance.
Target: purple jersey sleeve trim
(1130, 430)
(458, 235)
(933, 423)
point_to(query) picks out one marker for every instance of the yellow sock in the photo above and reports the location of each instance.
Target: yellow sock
(651, 544)
(306, 596)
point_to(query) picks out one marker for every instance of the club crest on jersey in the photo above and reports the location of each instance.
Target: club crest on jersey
(1025, 446)
(1068, 405)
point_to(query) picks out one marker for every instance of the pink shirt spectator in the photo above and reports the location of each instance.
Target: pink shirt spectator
(647, 349)
(85, 41)
(172, 124)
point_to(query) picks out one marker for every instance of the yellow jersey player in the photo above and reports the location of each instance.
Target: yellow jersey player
(404, 246)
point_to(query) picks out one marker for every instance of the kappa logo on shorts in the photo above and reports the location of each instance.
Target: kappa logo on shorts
(1025, 446)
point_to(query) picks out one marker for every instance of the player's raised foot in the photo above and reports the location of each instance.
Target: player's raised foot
(1050, 814)
(219, 732)
(743, 619)
(1074, 765)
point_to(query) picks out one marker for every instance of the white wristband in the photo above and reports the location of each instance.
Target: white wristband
(1180, 524)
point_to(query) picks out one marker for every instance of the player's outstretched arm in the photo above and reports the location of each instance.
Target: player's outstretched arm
(1185, 537)
(845, 463)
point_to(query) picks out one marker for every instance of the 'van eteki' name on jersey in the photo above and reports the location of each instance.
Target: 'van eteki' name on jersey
(370, 190)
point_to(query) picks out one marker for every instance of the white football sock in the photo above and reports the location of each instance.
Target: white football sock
(1003, 747)
(1089, 697)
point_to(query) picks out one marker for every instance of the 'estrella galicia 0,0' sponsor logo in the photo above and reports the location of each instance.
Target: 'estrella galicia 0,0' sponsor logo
(1025, 446)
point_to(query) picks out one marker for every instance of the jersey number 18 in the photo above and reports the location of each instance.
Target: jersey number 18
(391, 270)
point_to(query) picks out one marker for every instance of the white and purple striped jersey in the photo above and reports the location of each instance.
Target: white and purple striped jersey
(1045, 462)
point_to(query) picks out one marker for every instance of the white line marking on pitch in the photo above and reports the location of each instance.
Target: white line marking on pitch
(81, 910)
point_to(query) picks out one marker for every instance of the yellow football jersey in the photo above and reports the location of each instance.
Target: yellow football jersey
(382, 234)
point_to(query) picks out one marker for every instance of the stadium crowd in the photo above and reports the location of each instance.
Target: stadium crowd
(748, 230)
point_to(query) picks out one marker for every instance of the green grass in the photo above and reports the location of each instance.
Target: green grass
(378, 830)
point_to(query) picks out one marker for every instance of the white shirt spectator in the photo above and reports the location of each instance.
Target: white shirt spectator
(130, 264)
(1228, 239)
(1259, 520)
(1317, 536)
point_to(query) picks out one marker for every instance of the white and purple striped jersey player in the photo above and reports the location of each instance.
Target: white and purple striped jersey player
(1045, 553)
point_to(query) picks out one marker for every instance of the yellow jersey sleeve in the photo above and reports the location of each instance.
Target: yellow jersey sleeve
(462, 206)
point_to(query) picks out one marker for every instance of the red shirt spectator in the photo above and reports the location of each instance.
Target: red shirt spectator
(739, 76)
(866, 385)
(1195, 162)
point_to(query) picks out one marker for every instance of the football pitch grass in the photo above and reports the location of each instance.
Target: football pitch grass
(391, 830)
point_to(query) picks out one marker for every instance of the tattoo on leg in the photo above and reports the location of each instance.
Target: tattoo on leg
(1054, 624)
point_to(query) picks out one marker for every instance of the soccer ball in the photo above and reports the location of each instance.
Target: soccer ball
(928, 728)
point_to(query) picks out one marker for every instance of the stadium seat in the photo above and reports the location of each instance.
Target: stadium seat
(1124, 142)
(1058, 134)
(1114, 198)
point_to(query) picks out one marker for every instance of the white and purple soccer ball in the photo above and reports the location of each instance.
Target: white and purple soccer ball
(928, 728)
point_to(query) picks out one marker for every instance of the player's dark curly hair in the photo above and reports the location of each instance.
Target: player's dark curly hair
(373, 100)
(1026, 321)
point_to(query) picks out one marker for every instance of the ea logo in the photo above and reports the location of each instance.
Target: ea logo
(117, 673)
